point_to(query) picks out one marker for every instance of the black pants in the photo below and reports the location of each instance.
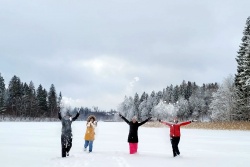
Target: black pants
(175, 141)
(66, 142)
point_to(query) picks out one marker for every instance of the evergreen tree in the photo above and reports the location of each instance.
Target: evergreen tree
(15, 87)
(176, 93)
(151, 101)
(158, 97)
(166, 95)
(14, 95)
(59, 101)
(24, 100)
(242, 75)
(183, 89)
(2, 94)
(246, 85)
(136, 106)
(171, 94)
(143, 97)
(42, 101)
(188, 91)
(143, 108)
(33, 107)
(52, 101)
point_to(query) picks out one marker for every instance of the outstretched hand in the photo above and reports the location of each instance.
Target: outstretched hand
(194, 120)
(120, 115)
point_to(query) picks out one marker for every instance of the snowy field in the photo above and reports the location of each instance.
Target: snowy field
(38, 145)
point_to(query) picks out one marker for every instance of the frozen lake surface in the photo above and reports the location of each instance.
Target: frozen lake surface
(38, 144)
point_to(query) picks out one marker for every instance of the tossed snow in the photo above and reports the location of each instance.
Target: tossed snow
(38, 144)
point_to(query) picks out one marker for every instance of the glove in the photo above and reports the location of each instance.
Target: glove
(120, 115)
(159, 120)
(194, 121)
(78, 111)
(149, 118)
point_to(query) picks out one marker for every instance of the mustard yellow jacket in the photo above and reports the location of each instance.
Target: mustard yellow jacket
(90, 132)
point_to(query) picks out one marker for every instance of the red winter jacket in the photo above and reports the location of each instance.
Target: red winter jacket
(175, 128)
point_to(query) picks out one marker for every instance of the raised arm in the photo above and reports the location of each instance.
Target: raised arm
(165, 123)
(59, 115)
(185, 123)
(77, 115)
(122, 117)
(143, 122)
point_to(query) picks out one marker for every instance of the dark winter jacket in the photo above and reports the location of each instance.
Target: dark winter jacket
(133, 129)
(175, 128)
(66, 124)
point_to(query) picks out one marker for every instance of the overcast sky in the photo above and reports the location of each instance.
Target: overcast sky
(96, 52)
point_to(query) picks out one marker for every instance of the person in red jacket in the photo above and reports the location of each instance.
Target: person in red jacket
(175, 134)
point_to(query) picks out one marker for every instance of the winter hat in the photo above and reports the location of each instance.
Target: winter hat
(91, 116)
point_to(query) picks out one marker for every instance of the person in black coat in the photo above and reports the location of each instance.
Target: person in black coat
(133, 132)
(66, 136)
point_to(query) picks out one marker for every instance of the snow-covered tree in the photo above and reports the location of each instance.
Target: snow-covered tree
(243, 74)
(176, 94)
(126, 107)
(150, 103)
(164, 110)
(158, 97)
(136, 106)
(169, 94)
(143, 106)
(197, 106)
(183, 111)
(223, 103)
(188, 90)
(144, 109)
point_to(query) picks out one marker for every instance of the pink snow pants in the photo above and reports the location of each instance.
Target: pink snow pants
(133, 148)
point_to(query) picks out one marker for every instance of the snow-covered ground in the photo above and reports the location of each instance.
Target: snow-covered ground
(26, 144)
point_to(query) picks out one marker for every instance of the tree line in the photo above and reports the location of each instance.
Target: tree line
(186, 100)
(26, 102)
(229, 101)
(22, 100)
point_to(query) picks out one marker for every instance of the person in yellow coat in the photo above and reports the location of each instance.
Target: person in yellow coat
(90, 133)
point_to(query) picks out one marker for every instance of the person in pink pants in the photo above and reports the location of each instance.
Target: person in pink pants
(133, 132)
